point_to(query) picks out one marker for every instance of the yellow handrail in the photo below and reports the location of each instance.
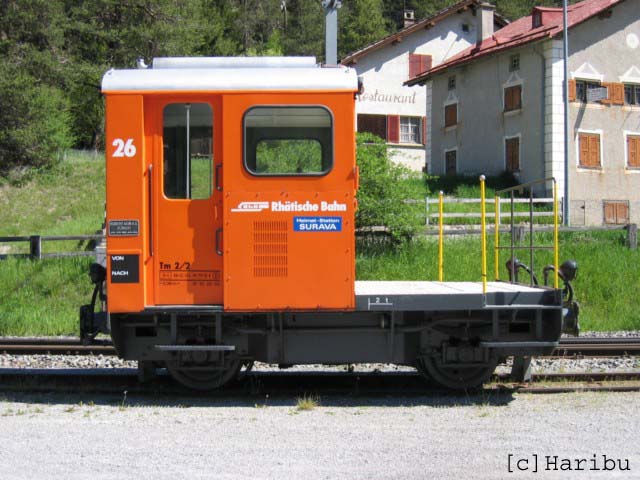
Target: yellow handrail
(483, 223)
(496, 256)
(441, 239)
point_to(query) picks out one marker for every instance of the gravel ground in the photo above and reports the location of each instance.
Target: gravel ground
(103, 437)
(97, 437)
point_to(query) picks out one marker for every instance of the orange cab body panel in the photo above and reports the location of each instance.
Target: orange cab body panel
(296, 253)
(127, 207)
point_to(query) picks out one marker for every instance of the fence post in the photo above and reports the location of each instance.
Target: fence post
(632, 236)
(35, 247)
(519, 234)
(426, 209)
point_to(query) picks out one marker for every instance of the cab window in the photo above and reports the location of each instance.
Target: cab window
(288, 140)
(187, 146)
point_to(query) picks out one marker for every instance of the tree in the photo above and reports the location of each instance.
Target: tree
(361, 22)
(304, 29)
(34, 121)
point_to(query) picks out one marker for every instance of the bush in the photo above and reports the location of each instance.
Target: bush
(34, 121)
(383, 189)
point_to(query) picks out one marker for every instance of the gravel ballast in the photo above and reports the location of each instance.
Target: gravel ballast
(58, 437)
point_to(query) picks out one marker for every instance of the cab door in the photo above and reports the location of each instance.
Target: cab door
(185, 201)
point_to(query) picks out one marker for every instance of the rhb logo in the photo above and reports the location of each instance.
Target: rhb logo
(251, 207)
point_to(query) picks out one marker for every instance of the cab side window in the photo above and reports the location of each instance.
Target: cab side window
(288, 140)
(187, 145)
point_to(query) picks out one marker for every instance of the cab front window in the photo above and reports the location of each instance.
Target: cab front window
(288, 140)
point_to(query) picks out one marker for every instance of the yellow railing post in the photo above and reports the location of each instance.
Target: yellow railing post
(441, 237)
(496, 249)
(556, 250)
(483, 223)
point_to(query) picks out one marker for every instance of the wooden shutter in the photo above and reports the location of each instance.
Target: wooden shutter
(425, 63)
(512, 153)
(609, 212)
(622, 213)
(414, 65)
(418, 63)
(424, 130)
(633, 151)
(450, 162)
(512, 98)
(451, 115)
(572, 90)
(589, 147)
(615, 212)
(608, 100)
(617, 96)
(393, 129)
(583, 141)
(594, 147)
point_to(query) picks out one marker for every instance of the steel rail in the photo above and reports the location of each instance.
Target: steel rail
(569, 347)
(279, 383)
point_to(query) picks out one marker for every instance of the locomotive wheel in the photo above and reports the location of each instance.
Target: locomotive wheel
(204, 379)
(456, 378)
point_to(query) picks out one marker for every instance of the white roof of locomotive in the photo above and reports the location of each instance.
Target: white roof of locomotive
(231, 74)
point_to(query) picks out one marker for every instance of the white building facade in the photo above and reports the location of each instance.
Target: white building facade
(500, 107)
(398, 113)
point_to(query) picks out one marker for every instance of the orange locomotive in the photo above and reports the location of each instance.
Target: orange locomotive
(231, 188)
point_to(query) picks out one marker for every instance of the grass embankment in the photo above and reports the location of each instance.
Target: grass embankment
(42, 297)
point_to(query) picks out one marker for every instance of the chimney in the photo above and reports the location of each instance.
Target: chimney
(409, 18)
(484, 19)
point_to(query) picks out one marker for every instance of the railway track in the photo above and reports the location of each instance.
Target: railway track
(569, 347)
(279, 383)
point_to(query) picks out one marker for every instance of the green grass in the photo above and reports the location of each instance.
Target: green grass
(67, 199)
(43, 297)
(605, 286)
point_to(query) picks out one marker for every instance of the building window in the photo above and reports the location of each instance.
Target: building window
(375, 124)
(451, 162)
(512, 154)
(450, 115)
(633, 151)
(418, 63)
(292, 140)
(187, 138)
(411, 130)
(394, 128)
(451, 82)
(615, 212)
(514, 62)
(632, 94)
(513, 98)
(589, 150)
(582, 91)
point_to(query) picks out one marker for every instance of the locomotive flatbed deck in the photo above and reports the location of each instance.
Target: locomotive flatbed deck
(432, 296)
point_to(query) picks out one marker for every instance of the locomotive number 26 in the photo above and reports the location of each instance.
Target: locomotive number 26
(124, 148)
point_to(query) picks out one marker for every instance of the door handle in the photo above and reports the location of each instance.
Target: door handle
(150, 180)
(218, 241)
(218, 184)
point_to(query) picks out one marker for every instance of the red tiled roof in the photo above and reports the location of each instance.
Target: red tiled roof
(419, 25)
(521, 32)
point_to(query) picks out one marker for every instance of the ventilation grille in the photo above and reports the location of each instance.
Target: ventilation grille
(270, 249)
